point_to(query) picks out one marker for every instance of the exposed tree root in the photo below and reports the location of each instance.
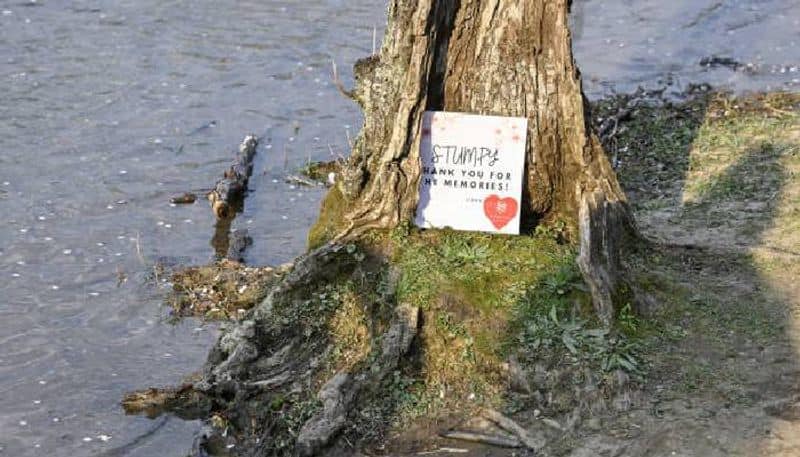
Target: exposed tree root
(482, 438)
(339, 393)
(507, 424)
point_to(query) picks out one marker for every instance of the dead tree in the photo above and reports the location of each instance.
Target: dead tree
(494, 57)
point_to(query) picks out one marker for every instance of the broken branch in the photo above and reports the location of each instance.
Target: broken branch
(228, 195)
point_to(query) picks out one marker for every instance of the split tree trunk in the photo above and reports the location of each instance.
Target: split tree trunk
(493, 57)
(496, 57)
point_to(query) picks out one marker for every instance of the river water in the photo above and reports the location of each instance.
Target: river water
(107, 109)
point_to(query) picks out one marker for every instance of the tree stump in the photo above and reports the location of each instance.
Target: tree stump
(492, 57)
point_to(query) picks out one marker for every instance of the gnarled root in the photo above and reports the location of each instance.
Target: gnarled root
(340, 392)
(258, 383)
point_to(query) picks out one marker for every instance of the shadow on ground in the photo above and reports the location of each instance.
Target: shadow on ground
(715, 181)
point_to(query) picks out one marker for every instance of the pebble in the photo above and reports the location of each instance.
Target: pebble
(23, 423)
(54, 287)
(67, 251)
(87, 439)
(103, 438)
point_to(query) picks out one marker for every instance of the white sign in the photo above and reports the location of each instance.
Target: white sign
(472, 169)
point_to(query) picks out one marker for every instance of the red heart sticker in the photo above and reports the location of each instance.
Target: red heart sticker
(500, 210)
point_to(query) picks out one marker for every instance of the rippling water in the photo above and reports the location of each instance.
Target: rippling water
(109, 108)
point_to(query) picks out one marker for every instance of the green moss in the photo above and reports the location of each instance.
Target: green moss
(486, 298)
(331, 219)
(487, 271)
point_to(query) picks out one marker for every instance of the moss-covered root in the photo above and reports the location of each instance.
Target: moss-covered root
(356, 345)
(340, 392)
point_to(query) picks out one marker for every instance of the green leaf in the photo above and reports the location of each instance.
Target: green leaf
(569, 342)
(553, 314)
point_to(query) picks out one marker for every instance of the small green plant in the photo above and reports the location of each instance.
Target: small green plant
(357, 254)
(557, 230)
(552, 332)
(627, 320)
(289, 417)
(458, 251)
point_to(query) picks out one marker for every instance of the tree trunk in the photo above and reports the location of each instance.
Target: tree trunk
(493, 57)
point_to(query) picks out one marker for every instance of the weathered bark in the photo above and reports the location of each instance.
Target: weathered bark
(494, 57)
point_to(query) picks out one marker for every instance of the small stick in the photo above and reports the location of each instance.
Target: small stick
(139, 249)
(338, 83)
(300, 180)
(445, 450)
(374, 39)
(335, 154)
(552, 424)
(481, 438)
(349, 140)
